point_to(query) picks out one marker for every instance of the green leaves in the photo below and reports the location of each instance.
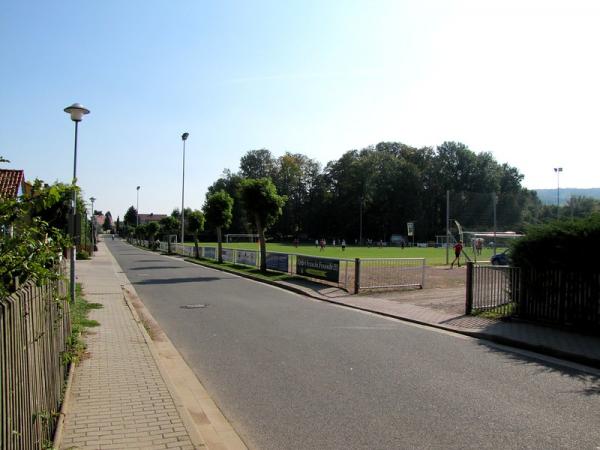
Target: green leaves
(218, 209)
(261, 200)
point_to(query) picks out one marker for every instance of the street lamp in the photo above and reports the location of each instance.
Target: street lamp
(137, 208)
(558, 170)
(93, 199)
(77, 112)
(184, 137)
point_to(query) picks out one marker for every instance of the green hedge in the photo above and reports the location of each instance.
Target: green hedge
(572, 245)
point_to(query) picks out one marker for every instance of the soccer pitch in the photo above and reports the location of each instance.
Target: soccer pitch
(433, 256)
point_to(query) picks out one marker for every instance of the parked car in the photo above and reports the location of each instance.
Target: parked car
(501, 259)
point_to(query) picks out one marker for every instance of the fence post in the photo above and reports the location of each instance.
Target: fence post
(356, 275)
(469, 299)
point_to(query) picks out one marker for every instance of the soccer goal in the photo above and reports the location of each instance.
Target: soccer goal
(249, 237)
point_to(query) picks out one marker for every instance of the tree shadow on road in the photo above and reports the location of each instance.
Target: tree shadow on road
(182, 280)
(156, 267)
(590, 380)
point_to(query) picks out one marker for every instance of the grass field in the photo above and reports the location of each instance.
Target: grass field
(433, 256)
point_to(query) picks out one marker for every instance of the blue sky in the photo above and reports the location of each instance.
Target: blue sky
(518, 79)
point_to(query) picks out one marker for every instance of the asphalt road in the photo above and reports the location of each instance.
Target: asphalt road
(295, 373)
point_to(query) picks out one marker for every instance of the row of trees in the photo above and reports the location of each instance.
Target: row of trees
(374, 192)
(260, 202)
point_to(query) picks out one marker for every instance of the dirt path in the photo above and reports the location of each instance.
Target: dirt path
(444, 291)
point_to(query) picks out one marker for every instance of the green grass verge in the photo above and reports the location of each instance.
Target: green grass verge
(243, 270)
(433, 256)
(79, 324)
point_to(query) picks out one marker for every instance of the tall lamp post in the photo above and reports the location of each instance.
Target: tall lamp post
(137, 208)
(77, 112)
(558, 170)
(93, 199)
(184, 137)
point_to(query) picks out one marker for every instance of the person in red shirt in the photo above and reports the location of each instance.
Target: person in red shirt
(457, 251)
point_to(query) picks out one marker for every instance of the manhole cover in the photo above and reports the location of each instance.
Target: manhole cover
(199, 305)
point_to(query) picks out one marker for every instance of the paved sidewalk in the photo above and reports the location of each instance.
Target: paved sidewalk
(119, 398)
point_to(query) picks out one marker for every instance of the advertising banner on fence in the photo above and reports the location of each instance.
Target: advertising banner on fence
(228, 255)
(209, 252)
(247, 257)
(277, 261)
(324, 269)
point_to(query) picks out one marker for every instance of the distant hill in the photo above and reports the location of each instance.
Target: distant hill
(548, 196)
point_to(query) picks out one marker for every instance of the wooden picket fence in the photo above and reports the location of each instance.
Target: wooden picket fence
(34, 328)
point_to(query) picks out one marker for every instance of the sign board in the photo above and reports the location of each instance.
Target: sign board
(410, 227)
(247, 257)
(396, 239)
(324, 269)
(209, 252)
(277, 261)
(227, 254)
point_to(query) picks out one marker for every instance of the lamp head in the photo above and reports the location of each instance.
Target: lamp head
(77, 111)
(92, 199)
(184, 136)
(138, 188)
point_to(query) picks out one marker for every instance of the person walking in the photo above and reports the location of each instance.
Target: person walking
(343, 245)
(458, 247)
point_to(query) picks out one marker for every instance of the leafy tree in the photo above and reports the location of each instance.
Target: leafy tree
(195, 221)
(390, 184)
(229, 182)
(169, 225)
(580, 207)
(130, 218)
(140, 231)
(151, 229)
(218, 212)
(107, 225)
(264, 205)
(257, 164)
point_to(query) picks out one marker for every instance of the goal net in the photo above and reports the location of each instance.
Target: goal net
(249, 237)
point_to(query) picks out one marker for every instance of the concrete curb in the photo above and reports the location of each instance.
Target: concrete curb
(502, 340)
(64, 409)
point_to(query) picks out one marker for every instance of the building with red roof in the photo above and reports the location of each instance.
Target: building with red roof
(12, 183)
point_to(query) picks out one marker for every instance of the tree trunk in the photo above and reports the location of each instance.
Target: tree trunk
(196, 252)
(219, 246)
(263, 246)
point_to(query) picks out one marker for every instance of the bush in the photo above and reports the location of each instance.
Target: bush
(568, 244)
(83, 254)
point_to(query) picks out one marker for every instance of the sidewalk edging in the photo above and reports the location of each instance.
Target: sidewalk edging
(64, 408)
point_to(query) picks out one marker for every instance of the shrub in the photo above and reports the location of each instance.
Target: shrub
(567, 244)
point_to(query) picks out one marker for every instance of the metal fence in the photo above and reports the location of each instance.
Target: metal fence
(550, 296)
(379, 273)
(493, 289)
(562, 297)
(34, 328)
(349, 274)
